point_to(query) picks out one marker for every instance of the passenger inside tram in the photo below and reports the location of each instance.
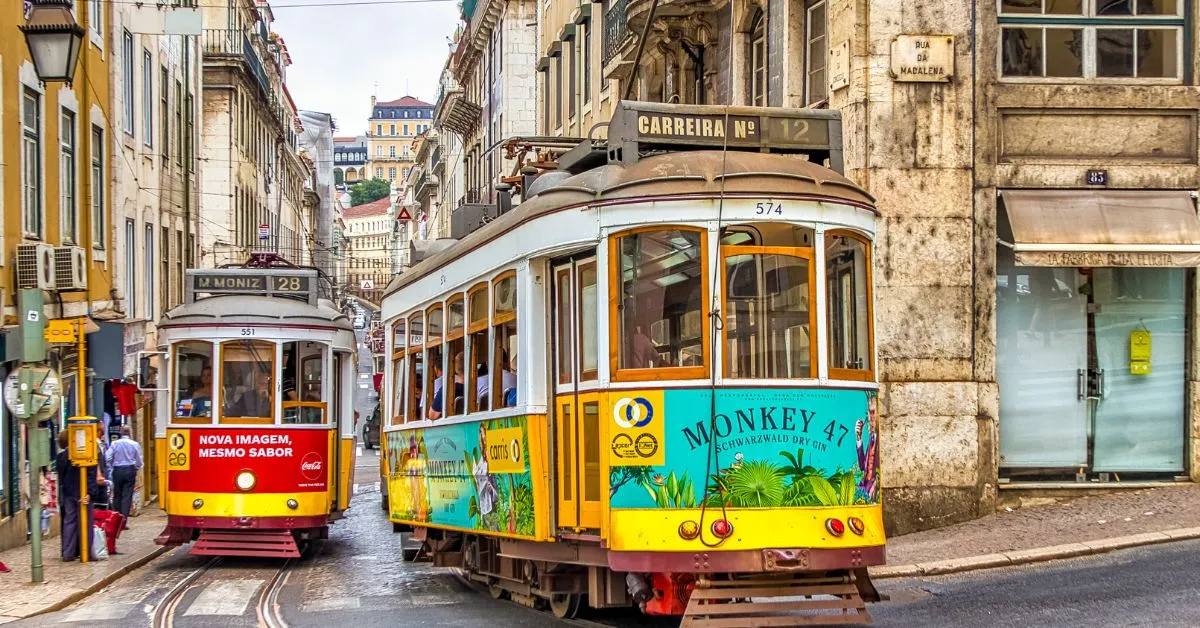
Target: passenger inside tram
(256, 401)
(202, 394)
(437, 408)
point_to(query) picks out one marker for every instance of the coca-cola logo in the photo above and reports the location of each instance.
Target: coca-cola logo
(311, 465)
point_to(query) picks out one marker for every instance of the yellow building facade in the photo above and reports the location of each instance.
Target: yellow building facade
(390, 132)
(55, 171)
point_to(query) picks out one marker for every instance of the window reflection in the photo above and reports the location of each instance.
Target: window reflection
(767, 315)
(661, 292)
(847, 290)
(193, 379)
(247, 367)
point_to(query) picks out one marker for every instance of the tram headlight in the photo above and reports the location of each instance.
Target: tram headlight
(245, 480)
(293, 504)
(197, 503)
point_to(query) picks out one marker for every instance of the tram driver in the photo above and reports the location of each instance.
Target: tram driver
(202, 394)
(256, 401)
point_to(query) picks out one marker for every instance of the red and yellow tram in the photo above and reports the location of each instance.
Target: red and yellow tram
(256, 435)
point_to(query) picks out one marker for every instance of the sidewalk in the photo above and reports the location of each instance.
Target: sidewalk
(66, 583)
(1089, 525)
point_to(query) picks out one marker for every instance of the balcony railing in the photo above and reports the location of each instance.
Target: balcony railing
(232, 43)
(616, 30)
(435, 159)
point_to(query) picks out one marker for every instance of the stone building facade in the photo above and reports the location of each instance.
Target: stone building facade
(1036, 171)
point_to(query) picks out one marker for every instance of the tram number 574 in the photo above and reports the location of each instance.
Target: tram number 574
(768, 208)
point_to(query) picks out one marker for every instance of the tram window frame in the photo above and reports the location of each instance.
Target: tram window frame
(300, 404)
(477, 326)
(399, 370)
(808, 254)
(433, 343)
(455, 331)
(414, 387)
(564, 354)
(176, 396)
(273, 385)
(616, 307)
(502, 318)
(851, 374)
(589, 321)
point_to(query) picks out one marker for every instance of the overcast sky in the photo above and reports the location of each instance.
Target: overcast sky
(341, 55)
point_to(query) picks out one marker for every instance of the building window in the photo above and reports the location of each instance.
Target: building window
(31, 155)
(546, 91)
(97, 187)
(758, 60)
(392, 152)
(149, 268)
(96, 17)
(1106, 39)
(130, 265)
(392, 130)
(379, 173)
(571, 86)
(378, 129)
(586, 56)
(180, 253)
(406, 171)
(127, 78)
(179, 123)
(189, 131)
(164, 266)
(816, 82)
(147, 98)
(67, 178)
(392, 175)
(378, 151)
(558, 89)
(164, 107)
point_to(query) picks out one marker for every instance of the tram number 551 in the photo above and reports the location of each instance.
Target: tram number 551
(768, 208)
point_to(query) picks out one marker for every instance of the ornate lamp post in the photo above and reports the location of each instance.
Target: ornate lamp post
(54, 40)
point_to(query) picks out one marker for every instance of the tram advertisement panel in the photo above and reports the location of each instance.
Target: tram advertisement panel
(473, 475)
(760, 447)
(283, 460)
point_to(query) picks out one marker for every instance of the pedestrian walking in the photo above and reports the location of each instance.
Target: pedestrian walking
(68, 500)
(124, 459)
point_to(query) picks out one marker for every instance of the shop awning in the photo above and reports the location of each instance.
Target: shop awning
(1101, 227)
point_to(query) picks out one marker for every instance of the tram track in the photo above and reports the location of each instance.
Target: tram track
(267, 610)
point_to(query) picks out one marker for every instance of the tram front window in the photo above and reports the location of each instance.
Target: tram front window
(193, 379)
(660, 311)
(247, 367)
(767, 314)
(303, 372)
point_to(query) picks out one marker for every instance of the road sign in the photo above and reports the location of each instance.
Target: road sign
(403, 214)
(61, 330)
(44, 388)
(264, 232)
(367, 284)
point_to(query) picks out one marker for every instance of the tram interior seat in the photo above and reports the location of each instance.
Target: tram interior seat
(459, 405)
(510, 397)
(483, 402)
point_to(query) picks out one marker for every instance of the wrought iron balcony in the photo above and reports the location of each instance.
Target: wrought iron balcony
(229, 43)
(435, 160)
(616, 30)
(426, 184)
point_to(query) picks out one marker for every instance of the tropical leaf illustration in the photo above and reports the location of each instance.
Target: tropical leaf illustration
(672, 491)
(756, 484)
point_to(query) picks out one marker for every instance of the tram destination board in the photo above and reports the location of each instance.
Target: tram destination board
(290, 283)
(641, 126)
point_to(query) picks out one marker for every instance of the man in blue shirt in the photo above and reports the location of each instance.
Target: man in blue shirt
(124, 458)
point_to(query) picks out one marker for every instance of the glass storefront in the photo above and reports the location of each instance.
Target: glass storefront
(1091, 369)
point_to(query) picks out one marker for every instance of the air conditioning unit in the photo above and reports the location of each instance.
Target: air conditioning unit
(35, 266)
(70, 268)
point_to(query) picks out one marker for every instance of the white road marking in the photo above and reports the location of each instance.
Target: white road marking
(433, 600)
(330, 604)
(364, 557)
(101, 611)
(227, 597)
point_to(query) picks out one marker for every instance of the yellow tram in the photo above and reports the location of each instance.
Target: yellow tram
(652, 383)
(256, 442)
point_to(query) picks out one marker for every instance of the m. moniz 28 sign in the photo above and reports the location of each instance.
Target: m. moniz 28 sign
(643, 125)
(270, 282)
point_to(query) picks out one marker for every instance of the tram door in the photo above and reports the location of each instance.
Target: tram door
(575, 303)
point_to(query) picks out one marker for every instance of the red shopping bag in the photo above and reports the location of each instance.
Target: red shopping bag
(112, 522)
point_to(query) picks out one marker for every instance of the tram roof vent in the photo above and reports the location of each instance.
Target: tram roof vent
(294, 283)
(546, 181)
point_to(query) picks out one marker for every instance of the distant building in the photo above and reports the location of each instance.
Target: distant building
(390, 131)
(349, 160)
(369, 233)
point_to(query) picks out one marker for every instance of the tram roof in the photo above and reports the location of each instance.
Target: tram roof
(256, 310)
(691, 173)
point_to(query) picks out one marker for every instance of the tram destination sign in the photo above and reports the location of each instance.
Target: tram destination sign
(273, 282)
(641, 126)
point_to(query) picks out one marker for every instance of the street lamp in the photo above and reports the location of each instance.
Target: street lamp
(54, 40)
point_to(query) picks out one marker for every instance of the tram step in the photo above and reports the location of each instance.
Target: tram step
(268, 543)
(785, 601)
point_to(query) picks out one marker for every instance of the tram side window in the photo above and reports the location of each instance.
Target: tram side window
(848, 311)
(303, 372)
(455, 403)
(193, 379)
(503, 371)
(399, 370)
(660, 320)
(433, 358)
(477, 364)
(247, 367)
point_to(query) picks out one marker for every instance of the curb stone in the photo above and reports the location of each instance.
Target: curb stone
(95, 587)
(1033, 555)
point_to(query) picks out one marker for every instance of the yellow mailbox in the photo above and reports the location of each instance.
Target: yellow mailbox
(83, 441)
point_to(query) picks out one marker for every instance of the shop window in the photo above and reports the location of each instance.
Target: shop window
(193, 394)
(848, 306)
(247, 381)
(479, 341)
(503, 369)
(302, 373)
(1105, 39)
(659, 321)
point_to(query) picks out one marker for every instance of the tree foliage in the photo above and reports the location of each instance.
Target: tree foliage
(369, 191)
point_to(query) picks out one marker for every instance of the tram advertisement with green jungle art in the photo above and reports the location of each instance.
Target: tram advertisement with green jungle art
(755, 448)
(472, 475)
